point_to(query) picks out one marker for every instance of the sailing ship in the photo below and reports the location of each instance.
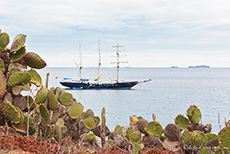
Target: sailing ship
(85, 83)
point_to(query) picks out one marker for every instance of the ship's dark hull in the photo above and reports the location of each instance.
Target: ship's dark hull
(87, 85)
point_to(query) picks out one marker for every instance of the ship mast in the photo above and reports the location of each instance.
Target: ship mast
(99, 63)
(80, 64)
(118, 58)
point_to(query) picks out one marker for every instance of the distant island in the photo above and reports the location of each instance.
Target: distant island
(199, 66)
(174, 67)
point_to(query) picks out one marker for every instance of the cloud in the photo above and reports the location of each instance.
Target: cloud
(57, 26)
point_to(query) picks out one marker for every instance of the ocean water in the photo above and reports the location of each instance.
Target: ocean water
(170, 92)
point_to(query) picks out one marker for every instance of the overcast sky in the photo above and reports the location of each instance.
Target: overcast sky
(155, 33)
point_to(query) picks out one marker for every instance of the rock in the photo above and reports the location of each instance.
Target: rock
(208, 128)
(213, 143)
(141, 126)
(173, 146)
(172, 132)
(150, 141)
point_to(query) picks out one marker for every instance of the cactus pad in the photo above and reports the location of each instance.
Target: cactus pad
(34, 61)
(2, 85)
(133, 119)
(181, 121)
(75, 110)
(224, 137)
(14, 67)
(44, 113)
(66, 98)
(35, 77)
(97, 119)
(41, 95)
(118, 130)
(18, 55)
(129, 132)
(89, 113)
(18, 88)
(103, 118)
(206, 151)
(154, 128)
(109, 144)
(22, 129)
(90, 137)
(47, 131)
(19, 78)
(135, 149)
(60, 122)
(4, 41)
(2, 66)
(18, 42)
(56, 114)
(57, 134)
(199, 139)
(154, 117)
(52, 101)
(21, 118)
(11, 112)
(89, 123)
(135, 137)
(210, 136)
(194, 114)
(186, 137)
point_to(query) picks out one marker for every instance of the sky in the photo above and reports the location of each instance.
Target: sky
(155, 33)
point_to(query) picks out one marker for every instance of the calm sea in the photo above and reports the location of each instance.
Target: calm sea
(170, 92)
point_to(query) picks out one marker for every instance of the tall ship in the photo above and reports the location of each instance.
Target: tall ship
(97, 83)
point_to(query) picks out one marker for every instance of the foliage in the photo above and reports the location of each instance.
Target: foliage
(53, 114)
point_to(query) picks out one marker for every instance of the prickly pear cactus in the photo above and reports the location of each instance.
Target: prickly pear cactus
(135, 149)
(44, 113)
(35, 77)
(18, 55)
(224, 137)
(41, 95)
(199, 139)
(2, 86)
(11, 112)
(89, 123)
(154, 128)
(186, 138)
(103, 122)
(66, 98)
(18, 42)
(206, 151)
(181, 121)
(34, 61)
(210, 136)
(91, 137)
(135, 137)
(2, 66)
(194, 114)
(118, 130)
(57, 134)
(133, 120)
(4, 41)
(19, 78)
(52, 101)
(75, 110)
